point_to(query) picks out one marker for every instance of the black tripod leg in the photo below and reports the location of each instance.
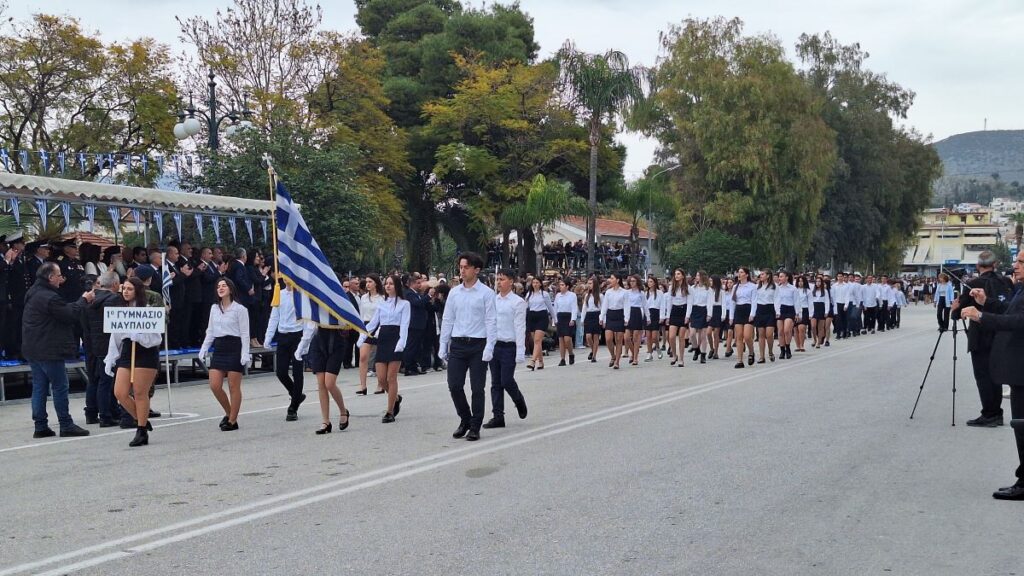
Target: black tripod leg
(927, 370)
(954, 376)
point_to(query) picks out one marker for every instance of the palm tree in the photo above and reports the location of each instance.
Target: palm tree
(644, 197)
(1018, 219)
(546, 203)
(602, 86)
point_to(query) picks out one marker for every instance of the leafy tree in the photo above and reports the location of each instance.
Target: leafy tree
(546, 203)
(711, 250)
(755, 155)
(602, 86)
(643, 199)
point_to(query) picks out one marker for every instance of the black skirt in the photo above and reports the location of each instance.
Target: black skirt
(819, 310)
(653, 318)
(537, 320)
(615, 321)
(327, 351)
(716, 317)
(144, 357)
(636, 319)
(764, 316)
(699, 317)
(742, 315)
(592, 323)
(677, 316)
(805, 317)
(562, 325)
(387, 339)
(787, 312)
(227, 354)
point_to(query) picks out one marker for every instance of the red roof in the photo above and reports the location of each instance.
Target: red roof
(83, 237)
(612, 228)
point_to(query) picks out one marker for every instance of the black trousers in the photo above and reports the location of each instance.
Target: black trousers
(942, 315)
(870, 314)
(1017, 412)
(200, 317)
(287, 343)
(839, 320)
(991, 394)
(468, 355)
(503, 378)
(178, 326)
(349, 351)
(883, 316)
(411, 356)
(896, 316)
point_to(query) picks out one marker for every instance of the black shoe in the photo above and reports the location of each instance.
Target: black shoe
(703, 358)
(728, 353)
(986, 421)
(325, 429)
(107, 423)
(521, 407)
(361, 392)
(572, 359)
(398, 404)
(291, 416)
(473, 435)
(750, 360)
(562, 363)
(379, 391)
(72, 431)
(590, 356)
(229, 427)
(496, 422)
(154, 414)
(739, 365)
(1015, 492)
(92, 420)
(141, 437)
(348, 418)
(388, 418)
(696, 354)
(771, 355)
(223, 423)
(46, 433)
(461, 430)
(302, 398)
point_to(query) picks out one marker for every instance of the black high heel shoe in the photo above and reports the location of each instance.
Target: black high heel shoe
(398, 405)
(345, 425)
(141, 437)
(325, 428)
(388, 418)
(750, 360)
(361, 392)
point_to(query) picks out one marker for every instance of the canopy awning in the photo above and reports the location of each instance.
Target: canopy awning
(80, 191)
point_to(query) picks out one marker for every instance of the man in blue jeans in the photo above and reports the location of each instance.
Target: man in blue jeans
(48, 340)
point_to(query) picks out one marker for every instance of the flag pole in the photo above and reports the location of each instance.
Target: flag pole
(167, 342)
(272, 177)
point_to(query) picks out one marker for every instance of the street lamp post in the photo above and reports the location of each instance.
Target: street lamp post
(188, 125)
(650, 219)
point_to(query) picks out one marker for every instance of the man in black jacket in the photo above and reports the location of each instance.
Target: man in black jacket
(48, 340)
(100, 404)
(1006, 320)
(417, 326)
(16, 289)
(193, 295)
(209, 274)
(180, 271)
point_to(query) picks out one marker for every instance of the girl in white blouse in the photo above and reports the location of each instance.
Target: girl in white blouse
(391, 320)
(566, 313)
(698, 315)
(717, 297)
(803, 311)
(655, 300)
(637, 304)
(228, 333)
(592, 317)
(613, 318)
(678, 298)
(785, 312)
(539, 311)
(743, 295)
(368, 303)
(765, 316)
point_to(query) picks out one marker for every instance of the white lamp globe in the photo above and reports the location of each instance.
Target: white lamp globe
(192, 126)
(230, 131)
(179, 131)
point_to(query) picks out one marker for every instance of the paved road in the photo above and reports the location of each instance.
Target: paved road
(806, 466)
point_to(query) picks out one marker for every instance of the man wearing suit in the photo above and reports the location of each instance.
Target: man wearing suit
(417, 326)
(979, 342)
(1006, 320)
(17, 286)
(240, 277)
(180, 271)
(208, 273)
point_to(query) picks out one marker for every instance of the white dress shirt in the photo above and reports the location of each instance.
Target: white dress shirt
(636, 299)
(765, 295)
(283, 319)
(368, 305)
(744, 293)
(231, 322)
(655, 301)
(469, 313)
(589, 305)
(613, 299)
(722, 298)
(566, 303)
(803, 299)
(540, 302)
(393, 312)
(114, 348)
(678, 297)
(699, 296)
(785, 295)
(869, 295)
(510, 315)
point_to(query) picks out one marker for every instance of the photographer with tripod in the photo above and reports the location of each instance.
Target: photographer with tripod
(1005, 319)
(997, 288)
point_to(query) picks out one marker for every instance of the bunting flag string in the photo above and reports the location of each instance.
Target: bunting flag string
(248, 227)
(44, 160)
(199, 225)
(6, 159)
(158, 219)
(263, 224)
(61, 161)
(81, 162)
(145, 164)
(177, 223)
(24, 159)
(90, 214)
(215, 221)
(233, 226)
(115, 216)
(16, 210)
(42, 209)
(137, 216)
(65, 207)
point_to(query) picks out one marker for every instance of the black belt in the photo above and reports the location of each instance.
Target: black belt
(466, 340)
(503, 344)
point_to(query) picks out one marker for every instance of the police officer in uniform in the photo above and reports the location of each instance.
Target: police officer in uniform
(72, 270)
(979, 343)
(17, 286)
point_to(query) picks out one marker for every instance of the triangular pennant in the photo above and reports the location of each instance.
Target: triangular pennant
(65, 208)
(199, 225)
(16, 210)
(158, 219)
(233, 226)
(177, 223)
(90, 214)
(248, 227)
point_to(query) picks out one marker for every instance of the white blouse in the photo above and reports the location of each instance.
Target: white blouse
(765, 296)
(589, 305)
(614, 299)
(540, 302)
(785, 295)
(231, 322)
(368, 306)
(394, 312)
(677, 297)
(744, 293)
(699, 296)
(566, 303)
(114, 349)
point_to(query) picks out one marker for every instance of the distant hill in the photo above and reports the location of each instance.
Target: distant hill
(980, 154)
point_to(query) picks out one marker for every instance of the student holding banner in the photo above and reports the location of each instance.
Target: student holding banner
(136, 358)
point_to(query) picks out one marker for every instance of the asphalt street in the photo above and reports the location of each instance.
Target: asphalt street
(803, 466)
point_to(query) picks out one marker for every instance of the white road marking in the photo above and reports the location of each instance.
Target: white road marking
(280, 504)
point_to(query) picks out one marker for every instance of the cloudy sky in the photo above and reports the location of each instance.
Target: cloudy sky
(962, 57)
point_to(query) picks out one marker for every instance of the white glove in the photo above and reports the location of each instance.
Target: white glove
(521, 359)
(443, 355)
(487, 356)
(246, 361)
(301, 351)
(399, 350)
(109, 367)
(204, 357)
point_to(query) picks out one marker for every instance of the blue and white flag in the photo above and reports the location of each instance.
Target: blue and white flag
(115, 217)
(24, 161)
(317, 290)
(43, 210)
(177, 223)
(158, 219)
(90, 214)
(16, 210)
(166, 275)
(137, 216)
(248, 228)
(5, 159)
(233, 226)
(44, 160)
(263, 224)
(145, 164)
(199, 225)
(65, 208)
(215, 222)
(61, 161)
(81, 162)
(160, 163)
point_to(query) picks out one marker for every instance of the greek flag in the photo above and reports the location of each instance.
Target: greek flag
(317, 291)
(166, 292)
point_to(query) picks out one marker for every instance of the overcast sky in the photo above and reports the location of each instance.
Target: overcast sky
(963, 58)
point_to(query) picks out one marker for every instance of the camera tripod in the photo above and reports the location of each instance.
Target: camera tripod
(929, 368)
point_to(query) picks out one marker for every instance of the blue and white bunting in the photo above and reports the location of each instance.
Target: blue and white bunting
(90, 215)
(158, 219)
(215, 222)
(24, 161)
(81, 162)
(44, 161)
(263, 224)
(61, 162)
(233, 226)
(5, 159)
(115, 217)
(145, 164)
(65, 208)
(42, 209)
(16, 210)
(199, 222)
(248, 227)
(137, 216)
(176, 216)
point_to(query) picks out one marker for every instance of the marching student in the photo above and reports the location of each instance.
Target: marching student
(697, 315)
(899, 304)
(637, 305)
(803, 313)
(830, 309)
(855, 305)
(613, 318)
(765, 315)
(716, 299)
(391, 323)
(885, 296)
(509, 350)
(871, 301)
(943, 300)
(566, 313)
(744, 295)
(785, 312)
(839, 298)
(655, 302)
(678, 298)
(368, 303)
(228, 333)
(327, 350)
(730, 313)
(820, 302)
(290, 331)
(139, 352)
(539, 313)
(592, 317)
